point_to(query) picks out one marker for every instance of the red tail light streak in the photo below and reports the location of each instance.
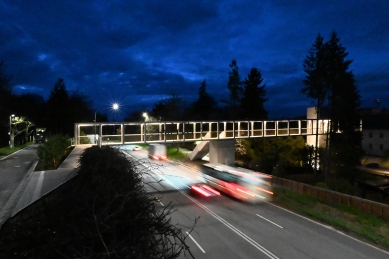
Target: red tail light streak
(204, 190)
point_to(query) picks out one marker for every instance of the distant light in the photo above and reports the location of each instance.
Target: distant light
(144, 114)
(115, 106)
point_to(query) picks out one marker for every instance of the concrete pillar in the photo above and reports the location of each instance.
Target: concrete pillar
(311, 139)
(222, 151)
(311, 114)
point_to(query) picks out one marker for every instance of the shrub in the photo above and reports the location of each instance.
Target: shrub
(51, 151)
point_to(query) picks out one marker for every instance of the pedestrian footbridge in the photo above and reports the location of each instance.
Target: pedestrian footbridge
(215, 137)
(120, 133)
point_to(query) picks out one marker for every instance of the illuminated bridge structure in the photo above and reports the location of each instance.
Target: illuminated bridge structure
(120, 133)
(217, 137)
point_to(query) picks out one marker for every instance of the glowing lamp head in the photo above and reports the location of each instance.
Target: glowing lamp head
(115, 106)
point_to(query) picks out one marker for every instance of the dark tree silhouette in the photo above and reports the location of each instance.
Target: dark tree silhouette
(79, 108)
(315, 68)
(63, 110)
(235, 87)
(6, 104)
(31, 106)
(58, 119)
(205, 106)
(315, 81)
(344, 98)
(172, 108)
(252, 103)
(328, 78)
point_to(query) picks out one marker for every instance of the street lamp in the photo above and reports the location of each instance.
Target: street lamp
(145, 115)
(11, 140)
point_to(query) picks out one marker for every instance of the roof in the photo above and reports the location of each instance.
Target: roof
(375, 121)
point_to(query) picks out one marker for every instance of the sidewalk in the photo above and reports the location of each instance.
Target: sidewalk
(41, 183)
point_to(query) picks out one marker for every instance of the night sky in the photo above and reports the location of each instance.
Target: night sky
(139, 52)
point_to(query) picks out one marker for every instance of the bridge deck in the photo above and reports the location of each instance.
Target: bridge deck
(189, 131)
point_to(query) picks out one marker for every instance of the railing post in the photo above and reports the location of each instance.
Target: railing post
(201, 130)
(276, 126)
(164, 131)
(299, 123)
(233, 129)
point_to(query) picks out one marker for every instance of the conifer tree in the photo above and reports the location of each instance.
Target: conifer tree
(204, 107)
(234, 85)
(315, 81)
(329, 79)
(344, 98)
(57, 109)
(252, 102)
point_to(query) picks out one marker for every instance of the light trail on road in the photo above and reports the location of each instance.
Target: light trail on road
(227, 224)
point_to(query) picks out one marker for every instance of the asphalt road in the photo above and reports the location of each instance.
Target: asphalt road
(14, 173)
(222, 227)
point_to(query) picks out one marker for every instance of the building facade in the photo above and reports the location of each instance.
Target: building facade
(375, 132)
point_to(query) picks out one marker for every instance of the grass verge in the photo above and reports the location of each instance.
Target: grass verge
(175, 154)
(5, 151)
(344, 218)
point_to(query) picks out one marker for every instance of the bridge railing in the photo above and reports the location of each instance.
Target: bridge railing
(181, 131)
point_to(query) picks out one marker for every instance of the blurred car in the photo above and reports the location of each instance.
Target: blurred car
(157, 152)
(136, 148)
(204, 190)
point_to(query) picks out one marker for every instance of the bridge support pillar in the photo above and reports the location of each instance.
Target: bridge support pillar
(222, 151)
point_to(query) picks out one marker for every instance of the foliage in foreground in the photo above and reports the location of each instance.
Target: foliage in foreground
(102, 212)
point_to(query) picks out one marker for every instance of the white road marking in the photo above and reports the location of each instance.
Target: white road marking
(227, 224)
(329, 227)
(202, 250)
(17, 166)
(269, 221)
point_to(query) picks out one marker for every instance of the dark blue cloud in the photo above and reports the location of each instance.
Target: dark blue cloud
(139, 52)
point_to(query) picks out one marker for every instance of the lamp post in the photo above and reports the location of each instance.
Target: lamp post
(11, 139)
(95, 128)
(115, 107)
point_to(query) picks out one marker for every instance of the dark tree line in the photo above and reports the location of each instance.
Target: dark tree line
(58, 114)
(330, 82)
(61, 110)
(246, 101)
